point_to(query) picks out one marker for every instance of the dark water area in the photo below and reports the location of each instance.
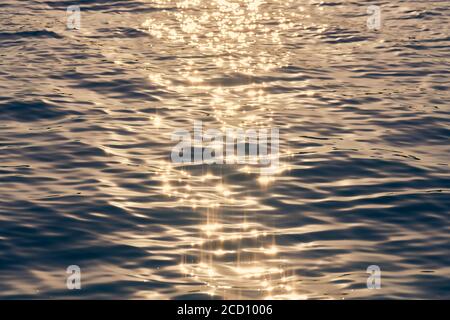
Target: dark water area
(86, 177)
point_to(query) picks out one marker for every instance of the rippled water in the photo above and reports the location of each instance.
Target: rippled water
(86, 118)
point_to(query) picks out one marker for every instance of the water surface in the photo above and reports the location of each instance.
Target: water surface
(86, 179)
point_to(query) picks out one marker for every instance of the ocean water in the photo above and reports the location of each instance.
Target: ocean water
(86, 177)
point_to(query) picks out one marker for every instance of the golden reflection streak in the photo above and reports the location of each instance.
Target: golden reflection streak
(233, 256)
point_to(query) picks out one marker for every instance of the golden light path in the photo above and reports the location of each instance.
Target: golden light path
(232, 257)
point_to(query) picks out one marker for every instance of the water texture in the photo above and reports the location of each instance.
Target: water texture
(86, 178)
